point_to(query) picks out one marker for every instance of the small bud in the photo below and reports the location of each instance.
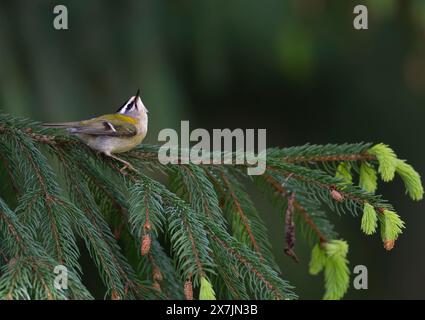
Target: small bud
(146, 244)
(156, 274)
(147, 226)
(389, 244)
(391, 227)
(115, 295)
(188, 290)
(336, 195)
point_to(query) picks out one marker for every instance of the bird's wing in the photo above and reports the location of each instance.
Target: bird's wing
(105, 126)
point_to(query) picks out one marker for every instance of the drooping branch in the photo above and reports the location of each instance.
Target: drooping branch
(280, 190)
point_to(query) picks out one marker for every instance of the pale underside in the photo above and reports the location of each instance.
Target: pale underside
(108, 144)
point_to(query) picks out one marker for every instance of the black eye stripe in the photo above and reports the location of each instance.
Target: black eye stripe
(128, 106)
(124, 105)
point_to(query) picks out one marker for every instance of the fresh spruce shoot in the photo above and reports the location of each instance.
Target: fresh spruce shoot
(181, 231)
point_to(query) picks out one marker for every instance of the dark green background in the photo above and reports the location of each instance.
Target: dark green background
(296, 68)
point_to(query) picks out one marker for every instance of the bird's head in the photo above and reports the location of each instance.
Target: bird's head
(134, 107)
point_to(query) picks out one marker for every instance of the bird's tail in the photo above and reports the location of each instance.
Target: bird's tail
(64, 125)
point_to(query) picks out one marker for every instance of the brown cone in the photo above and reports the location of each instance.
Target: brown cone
(146, 244)
(188, 290)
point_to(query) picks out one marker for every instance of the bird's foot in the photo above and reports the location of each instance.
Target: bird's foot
(127, 166)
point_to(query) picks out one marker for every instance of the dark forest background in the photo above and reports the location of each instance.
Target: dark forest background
(297, 68)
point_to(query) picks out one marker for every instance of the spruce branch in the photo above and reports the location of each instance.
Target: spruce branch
(200, 231)
(29, 269)
(327, 153)
(116, 273)
(41, 204)
(186, 230)
(271, 286)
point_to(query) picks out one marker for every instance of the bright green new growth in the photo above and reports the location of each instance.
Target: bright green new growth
(388, 165)
(337, 278)
(318, 259)
(391, 225)
(207, 291)
(368, 178)
(336, 248)
(344, 172)
(369, 219)
(387, 160)
(411, 179)
(332, 256)
(337, 274)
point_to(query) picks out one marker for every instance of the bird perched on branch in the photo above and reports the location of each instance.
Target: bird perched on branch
(112, 133)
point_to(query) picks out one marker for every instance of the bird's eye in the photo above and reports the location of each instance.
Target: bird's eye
(129, 106)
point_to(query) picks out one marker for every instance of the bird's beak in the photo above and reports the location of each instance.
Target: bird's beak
(136, 97)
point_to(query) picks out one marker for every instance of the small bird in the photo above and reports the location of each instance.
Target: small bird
(112, 133)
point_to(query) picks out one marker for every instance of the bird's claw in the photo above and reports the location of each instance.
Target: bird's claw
(127, 166)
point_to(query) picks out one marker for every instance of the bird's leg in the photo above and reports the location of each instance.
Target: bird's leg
(126, 163)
